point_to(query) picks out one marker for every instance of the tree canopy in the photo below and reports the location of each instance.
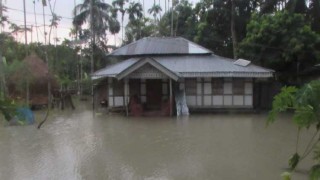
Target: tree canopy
(282, 41)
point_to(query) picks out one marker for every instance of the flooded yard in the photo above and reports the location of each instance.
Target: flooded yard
(74, 145)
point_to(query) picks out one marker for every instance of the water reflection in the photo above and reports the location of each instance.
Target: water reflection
(220, 146)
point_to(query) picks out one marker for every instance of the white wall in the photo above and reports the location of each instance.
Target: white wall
(117, 101)
(205, 97)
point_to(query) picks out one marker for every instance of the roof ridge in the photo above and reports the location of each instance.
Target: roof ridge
(161, 45)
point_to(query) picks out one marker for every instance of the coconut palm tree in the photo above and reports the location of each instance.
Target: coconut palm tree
(3, 18)
(98, 15)
(101, 20)
(134, 11)
(155, 10)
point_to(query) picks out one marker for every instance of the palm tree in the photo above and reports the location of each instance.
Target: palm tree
(155, 10)
(101, 20)
(3, 18)
(119, 7)
(134, 11)
(55, 19)
(35, 19)
(98, 15)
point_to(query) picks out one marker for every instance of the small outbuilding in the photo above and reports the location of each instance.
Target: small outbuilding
(32, 77)
(168, 74)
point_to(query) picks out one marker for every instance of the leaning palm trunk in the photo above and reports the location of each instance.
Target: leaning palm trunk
(48, 75)
(53, 16)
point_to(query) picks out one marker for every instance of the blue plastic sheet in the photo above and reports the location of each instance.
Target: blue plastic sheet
(24, 116)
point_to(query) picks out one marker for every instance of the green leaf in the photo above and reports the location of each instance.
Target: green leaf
(286, 176)
(315, 172)
(293, 161)
(304, 116)
(282, 102)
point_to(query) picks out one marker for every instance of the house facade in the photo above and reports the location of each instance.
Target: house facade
(165, 73)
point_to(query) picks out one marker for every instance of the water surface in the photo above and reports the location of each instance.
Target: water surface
(74, 146)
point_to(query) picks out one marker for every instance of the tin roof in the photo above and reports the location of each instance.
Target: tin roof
(192, 66)
(160, 46)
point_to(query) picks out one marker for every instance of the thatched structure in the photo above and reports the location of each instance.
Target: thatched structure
(33, 73)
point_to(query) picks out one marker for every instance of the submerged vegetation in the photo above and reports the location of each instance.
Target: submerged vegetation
(304, 102)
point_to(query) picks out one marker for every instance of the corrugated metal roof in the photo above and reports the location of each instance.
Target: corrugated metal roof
(193, 66)
(113, 70)
(160, 46)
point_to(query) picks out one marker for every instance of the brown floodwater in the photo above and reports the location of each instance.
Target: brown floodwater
(74, 145)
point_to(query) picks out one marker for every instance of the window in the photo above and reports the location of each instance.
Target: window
(238, 86)
(191, 86)
(217, 86)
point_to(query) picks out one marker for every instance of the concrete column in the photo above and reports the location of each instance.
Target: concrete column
(170, 99)
(126, 95)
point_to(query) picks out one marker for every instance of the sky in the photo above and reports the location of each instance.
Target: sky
(64, 9)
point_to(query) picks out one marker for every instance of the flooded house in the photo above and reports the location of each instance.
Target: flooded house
(172, 75)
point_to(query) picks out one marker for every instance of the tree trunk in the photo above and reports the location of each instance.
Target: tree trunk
(46, 56)
(35, 19)
(25, 22)
(92, 35)
(172, 19)
(93, 41)
(122, 27)
(315, 14)
(3, 84)
(177, 24)
(233, 30)
(165, 6)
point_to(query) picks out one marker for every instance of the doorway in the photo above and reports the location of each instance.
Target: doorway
(154, 94)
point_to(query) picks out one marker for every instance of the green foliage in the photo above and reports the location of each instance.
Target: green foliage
(305, 105)
(64, 61)
(315, 172)
(282, 41)
(294, 160)
(304, 116)
(286, 176)
(282, 102)
(138, 29)
(101, 21)
(184, 21)
(305, 102)
(7, 108)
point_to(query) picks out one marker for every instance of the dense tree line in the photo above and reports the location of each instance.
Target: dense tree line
(278, 34)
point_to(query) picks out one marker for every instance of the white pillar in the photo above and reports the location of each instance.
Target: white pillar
(126, 95)
(170, 100)
(110, 94)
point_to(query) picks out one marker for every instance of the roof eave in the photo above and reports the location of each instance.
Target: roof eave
(160, 54)
(152, 62)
